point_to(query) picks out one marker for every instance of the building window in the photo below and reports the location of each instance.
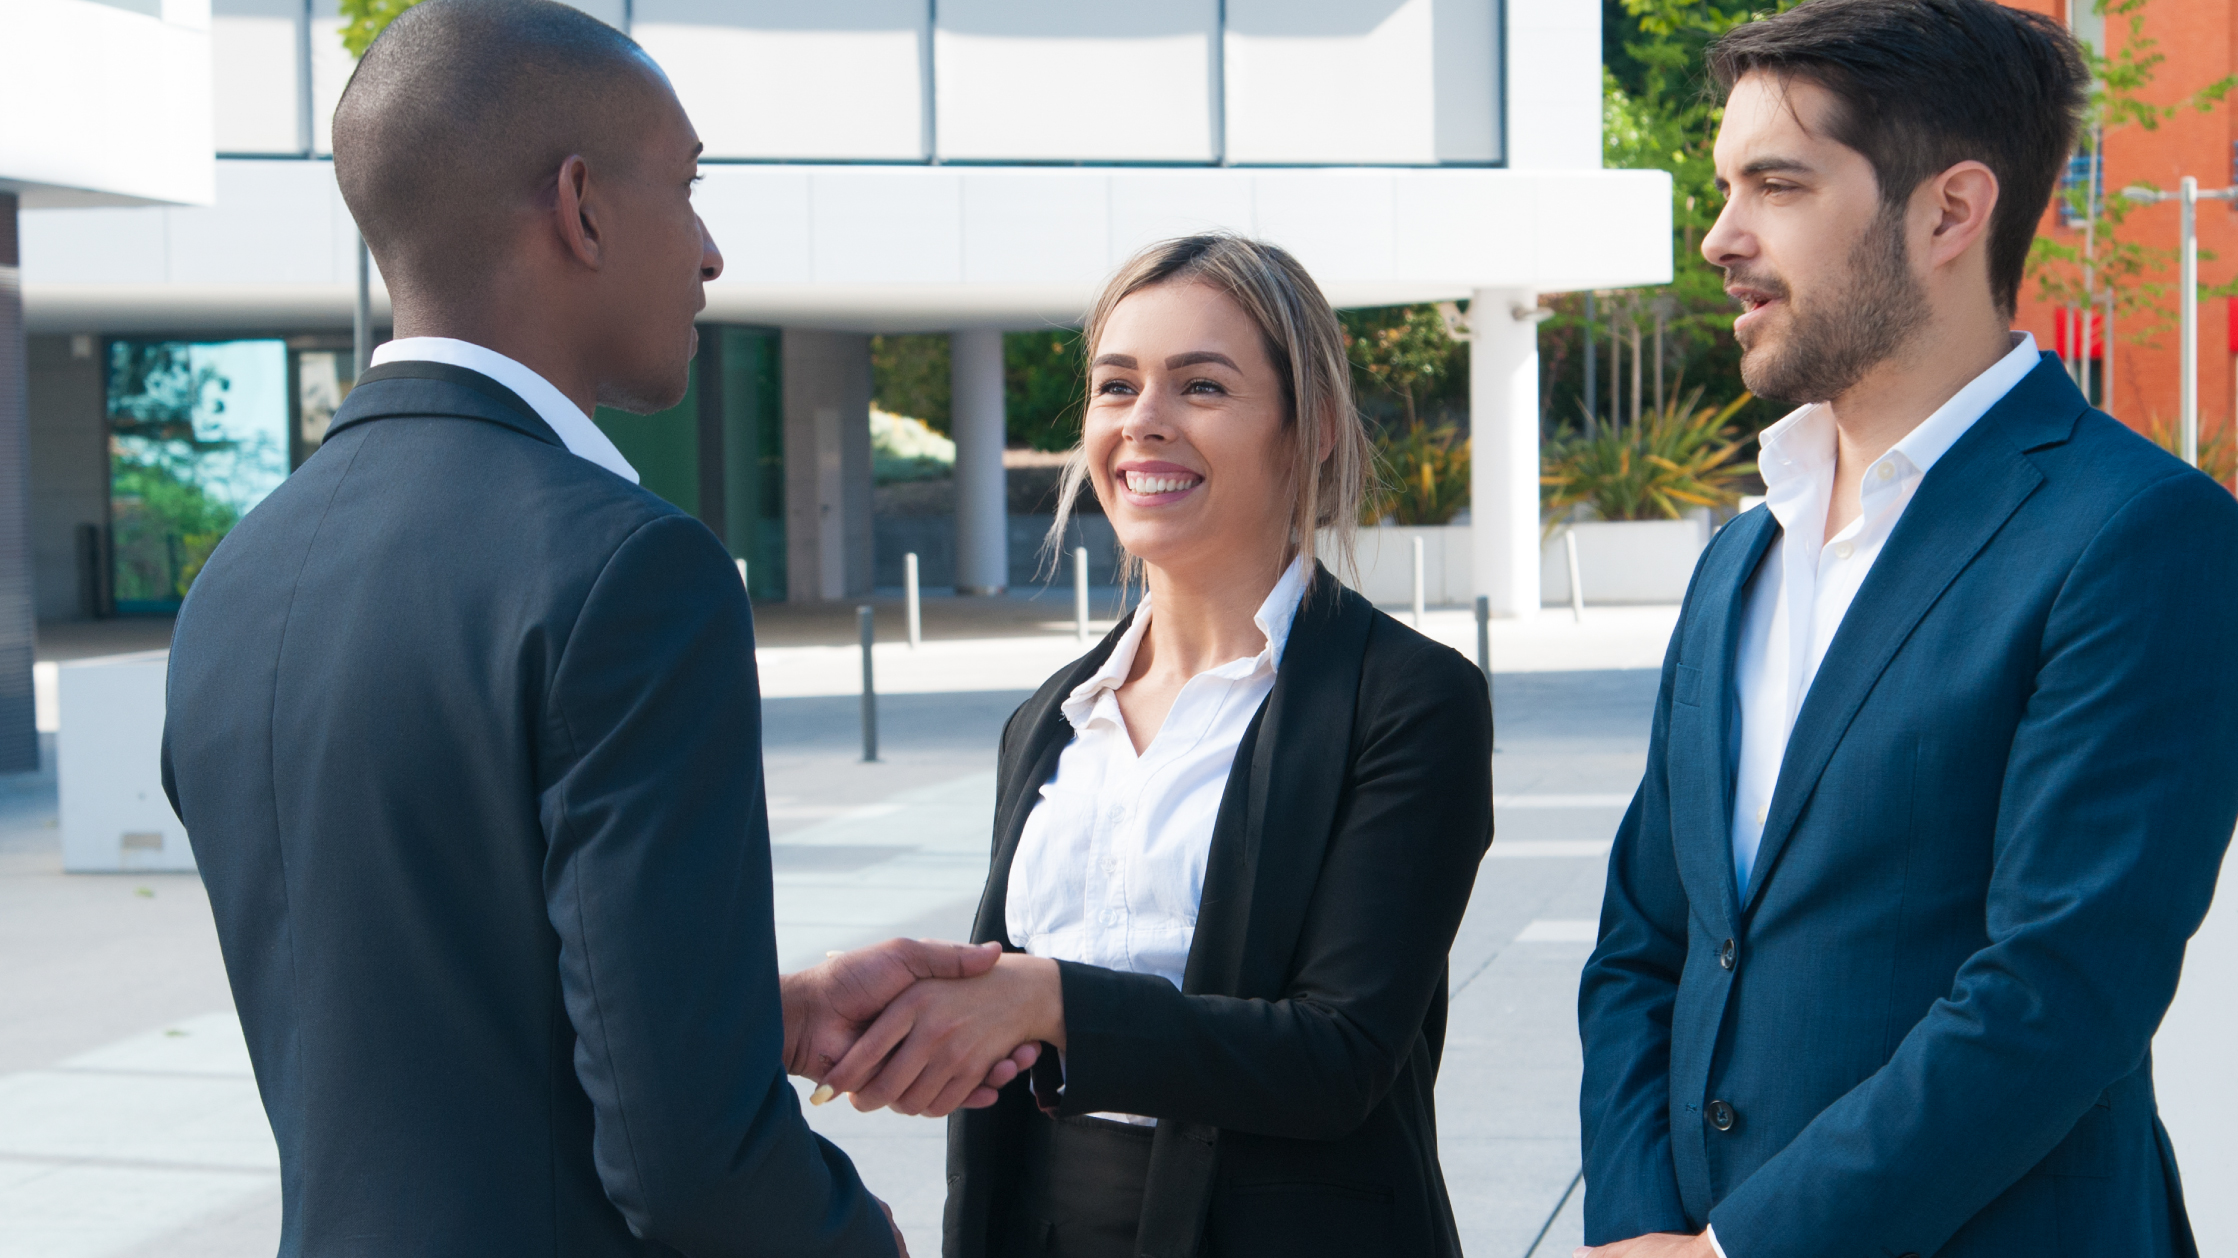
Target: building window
(2075, 188)
(198, 434)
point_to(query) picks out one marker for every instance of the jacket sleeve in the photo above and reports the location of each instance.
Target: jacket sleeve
(2118, 801)
(657, 880)
(1625, 1002)
(1411, 826)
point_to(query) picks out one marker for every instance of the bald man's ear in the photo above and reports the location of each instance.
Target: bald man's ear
(575, 213)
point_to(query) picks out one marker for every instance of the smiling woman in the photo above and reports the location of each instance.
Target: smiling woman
(1232, 843)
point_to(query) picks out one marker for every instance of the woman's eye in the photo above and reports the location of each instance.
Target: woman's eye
(1114, 388)
(1203, 386)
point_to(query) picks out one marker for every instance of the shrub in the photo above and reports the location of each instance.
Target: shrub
(1685, 455)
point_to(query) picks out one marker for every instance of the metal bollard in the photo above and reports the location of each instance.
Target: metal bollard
(909, 591)
(864, 620)
(1418, 581)
(1484, 635)
(1577, 587)
(1080, 592)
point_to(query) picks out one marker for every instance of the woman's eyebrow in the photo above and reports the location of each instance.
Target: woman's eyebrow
(1114, 360)
(1179, 361)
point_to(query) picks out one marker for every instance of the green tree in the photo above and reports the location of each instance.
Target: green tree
(363, 20)
(165, 520)
(1045, 388)
(909, 376)
(1405, 367)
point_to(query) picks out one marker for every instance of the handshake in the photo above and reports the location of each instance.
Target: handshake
(920, 1026)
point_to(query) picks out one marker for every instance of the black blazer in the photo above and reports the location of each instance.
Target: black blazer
(1293, 1071)
(464, 730)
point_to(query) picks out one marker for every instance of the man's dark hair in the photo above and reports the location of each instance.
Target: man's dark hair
(1922, 85)
(459, 116)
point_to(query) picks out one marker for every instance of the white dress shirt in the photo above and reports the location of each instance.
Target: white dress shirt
(1803, 589)
(575, 429)
(1110, 865)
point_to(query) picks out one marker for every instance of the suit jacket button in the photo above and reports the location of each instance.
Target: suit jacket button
(1727, 955)
(1722, 1116)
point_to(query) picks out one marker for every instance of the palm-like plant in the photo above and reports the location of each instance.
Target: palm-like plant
(2215, 448)
(1421, 476)
(1683, 455)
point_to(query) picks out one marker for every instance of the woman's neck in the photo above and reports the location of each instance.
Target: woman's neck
(1203, 616)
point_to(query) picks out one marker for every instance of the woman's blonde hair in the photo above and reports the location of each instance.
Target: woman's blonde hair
(1305, 345)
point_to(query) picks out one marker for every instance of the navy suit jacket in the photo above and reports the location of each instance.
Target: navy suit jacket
(465, 731)
(1924, 1027)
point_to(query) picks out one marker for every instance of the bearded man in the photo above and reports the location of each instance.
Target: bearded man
(1940, 775)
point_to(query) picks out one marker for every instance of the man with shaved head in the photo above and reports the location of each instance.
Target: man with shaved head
(464, 724)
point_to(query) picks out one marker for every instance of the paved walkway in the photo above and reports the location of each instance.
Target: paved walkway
(129, 1124)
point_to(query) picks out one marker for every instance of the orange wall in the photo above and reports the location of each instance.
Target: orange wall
(2197, 37)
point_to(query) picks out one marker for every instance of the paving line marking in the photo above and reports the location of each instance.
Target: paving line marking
(1526, 849)
(1561, 801)
(1561, 930)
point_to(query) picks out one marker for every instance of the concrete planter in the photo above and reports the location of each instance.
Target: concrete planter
(1386, 564)
(1625, 561)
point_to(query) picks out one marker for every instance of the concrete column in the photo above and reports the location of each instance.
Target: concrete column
(1504, 447)
(826, 382)
(982, 514)
(19, 734)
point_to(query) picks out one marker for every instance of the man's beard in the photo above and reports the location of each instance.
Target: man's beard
(1832, 342)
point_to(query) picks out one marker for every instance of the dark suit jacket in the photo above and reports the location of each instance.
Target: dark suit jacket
(1292, 1072)
(1924, 1025)
(465, 732)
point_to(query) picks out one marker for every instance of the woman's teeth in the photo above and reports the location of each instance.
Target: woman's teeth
(1144, 483)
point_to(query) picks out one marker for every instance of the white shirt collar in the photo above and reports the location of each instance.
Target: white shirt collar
(1802, 442)
(567, 420)
(1274, 618)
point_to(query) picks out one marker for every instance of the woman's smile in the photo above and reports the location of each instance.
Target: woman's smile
(1149, 483)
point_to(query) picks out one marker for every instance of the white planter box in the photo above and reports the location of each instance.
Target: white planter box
(108, 765)
(1625, 561)
(1386, 563)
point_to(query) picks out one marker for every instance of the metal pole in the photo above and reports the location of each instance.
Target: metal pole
(2106, 398)
(1484, 636)
(1577, 587)
(909, 592)
(1591, 402)
(362, 332)
(748, 585)
(1080, 593)
(2188, 194)
(865, 622)
(1418, 580)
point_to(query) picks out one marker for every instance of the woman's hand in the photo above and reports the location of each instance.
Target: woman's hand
(940, 1040)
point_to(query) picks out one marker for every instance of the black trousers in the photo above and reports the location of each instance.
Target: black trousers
(1082, 1195)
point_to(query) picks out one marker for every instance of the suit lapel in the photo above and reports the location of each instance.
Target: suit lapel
(1281, 797)
(1701, 788)
(1042, 734)
(1963, 502)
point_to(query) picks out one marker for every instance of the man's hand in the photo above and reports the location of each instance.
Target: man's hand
(826, 1008)
(1653, 1245)
(932, 1047)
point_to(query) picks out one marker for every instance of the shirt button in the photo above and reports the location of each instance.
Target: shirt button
(1885, 471)
(1843, 550)
(1762, 813)
(1722, 1116)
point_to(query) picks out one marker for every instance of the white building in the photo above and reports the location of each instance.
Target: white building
(969, 166)
(100, 105)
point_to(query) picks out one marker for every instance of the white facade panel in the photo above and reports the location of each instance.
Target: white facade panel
(893, 227)
(293, 235)
(1464, 222)
(1075, 80)
(759, 217)
(1340, 224)
(117, 107)
(842, 80)
(1036, 227)
(1554, 85)
(256, 50)
(1320, 81)
(95, 246)
(1465, 57)
(1148, 206)
(331, 67)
